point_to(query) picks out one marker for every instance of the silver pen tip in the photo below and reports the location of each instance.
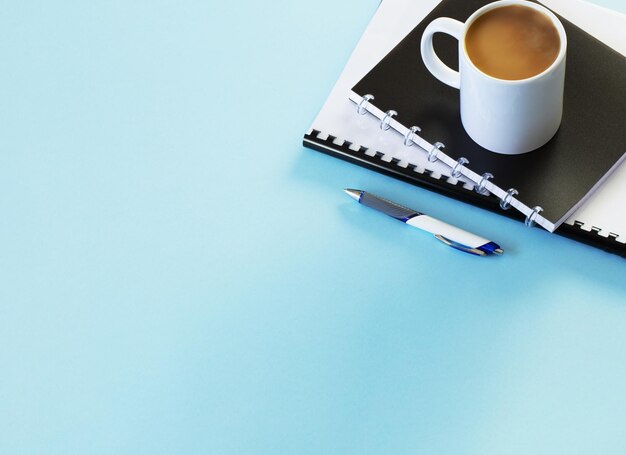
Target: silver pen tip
(498, 251)
(354, 194)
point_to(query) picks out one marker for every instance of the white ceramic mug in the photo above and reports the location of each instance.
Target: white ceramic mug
(504, 116)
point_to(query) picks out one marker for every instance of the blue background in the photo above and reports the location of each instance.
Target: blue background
(179, 275)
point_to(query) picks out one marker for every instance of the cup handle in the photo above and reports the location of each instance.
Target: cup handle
(434, 64)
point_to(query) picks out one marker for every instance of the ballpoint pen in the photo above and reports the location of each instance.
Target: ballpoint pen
(448, 234)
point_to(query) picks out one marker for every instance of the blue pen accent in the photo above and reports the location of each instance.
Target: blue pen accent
(490, 248)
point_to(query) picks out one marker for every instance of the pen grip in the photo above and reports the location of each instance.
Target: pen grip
(387, 207)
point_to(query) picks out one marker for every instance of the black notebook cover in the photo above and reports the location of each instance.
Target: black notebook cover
(591, 139)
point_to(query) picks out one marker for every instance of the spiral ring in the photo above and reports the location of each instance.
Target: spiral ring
(384, 123)
(456, 170)
(480, 188)
(408, 139)
(361, 107)
(432, 155)
(530, 219)
(505, 203)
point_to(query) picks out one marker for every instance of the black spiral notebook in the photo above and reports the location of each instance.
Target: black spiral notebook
(558, 176)
(588, 146)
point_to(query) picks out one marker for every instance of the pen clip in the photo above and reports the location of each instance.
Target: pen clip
(460, 246)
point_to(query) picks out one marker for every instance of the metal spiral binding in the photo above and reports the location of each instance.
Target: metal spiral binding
(530, 219)
(456, 170)
(361, 108)
(432, 155)
(384, 123)
(480, 188)
(505, 203)
(408, 139)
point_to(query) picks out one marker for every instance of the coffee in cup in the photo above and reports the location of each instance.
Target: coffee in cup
(512, 42)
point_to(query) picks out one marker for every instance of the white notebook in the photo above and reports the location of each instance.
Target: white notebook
(603, 213)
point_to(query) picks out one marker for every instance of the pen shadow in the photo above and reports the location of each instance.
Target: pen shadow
(560, 258)
(353, 214)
